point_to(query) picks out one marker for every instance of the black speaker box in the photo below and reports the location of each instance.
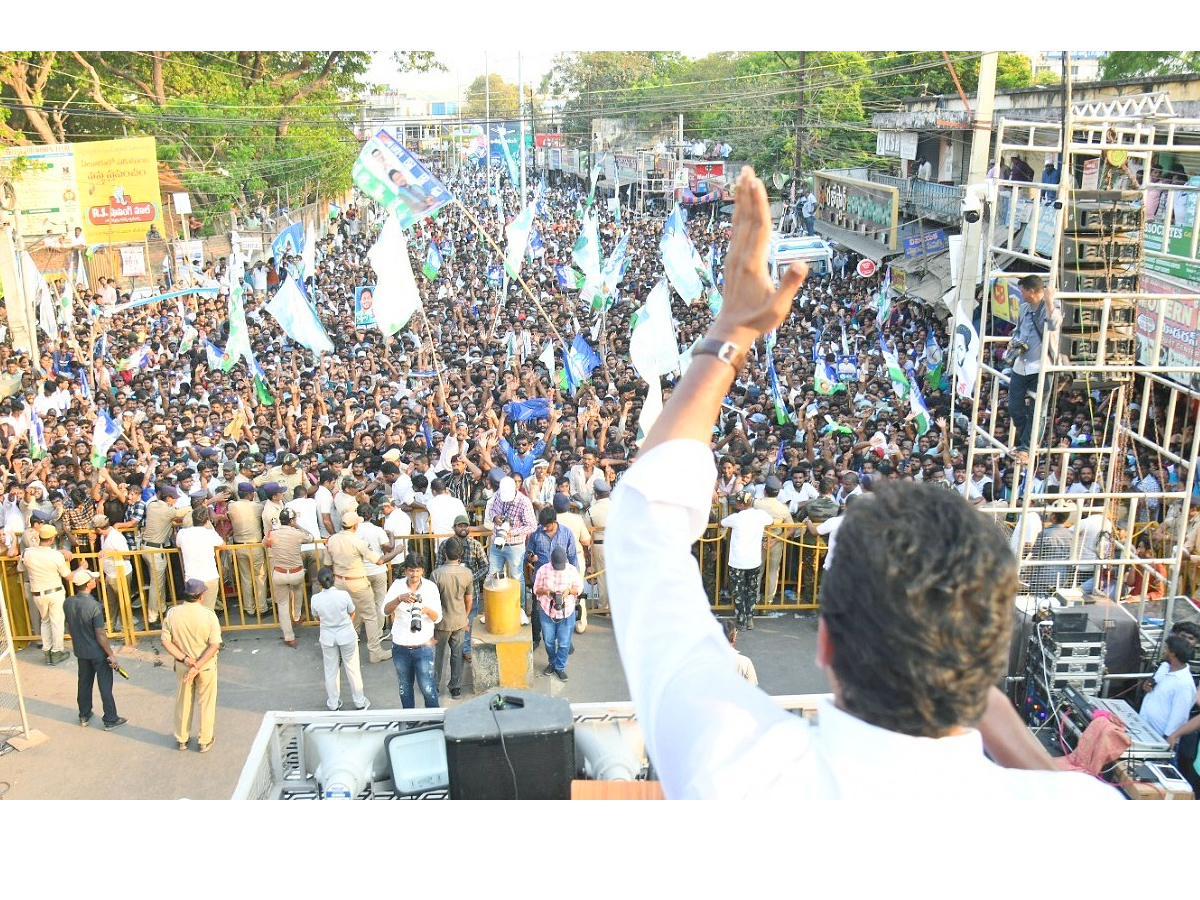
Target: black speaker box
(535, 760)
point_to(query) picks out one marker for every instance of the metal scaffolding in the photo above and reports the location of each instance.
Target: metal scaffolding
(1089, 247)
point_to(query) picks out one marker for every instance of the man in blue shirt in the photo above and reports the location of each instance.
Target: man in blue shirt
(541, 544)
(522, 457)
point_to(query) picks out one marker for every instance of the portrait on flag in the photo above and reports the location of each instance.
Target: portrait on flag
(393, 177)
(364, 305)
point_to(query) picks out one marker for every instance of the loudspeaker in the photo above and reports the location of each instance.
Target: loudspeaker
(510, 745)
(1087, 315)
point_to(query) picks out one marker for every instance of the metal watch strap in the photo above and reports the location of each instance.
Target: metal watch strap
(726, 351)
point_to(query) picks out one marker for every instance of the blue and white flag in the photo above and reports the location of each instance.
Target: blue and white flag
(536, 247)
(105, 433)
(85, 386)
(918, 411)
(37, 436)
(495, 275)
(680, 258)
(289, 241)
(524, 410)
(568, 278)
(610, 277)
(214, 354)
(433, 262)
(781, 412)
(539, 198)
(447, 248)
(138, 359)
(296, 317)
(580, 360)
(884, 308)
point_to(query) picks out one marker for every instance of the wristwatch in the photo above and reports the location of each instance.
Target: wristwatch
(726, 351)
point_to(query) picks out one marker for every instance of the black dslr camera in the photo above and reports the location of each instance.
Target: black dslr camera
(556, 601)
(1014, 351)
(415, 620)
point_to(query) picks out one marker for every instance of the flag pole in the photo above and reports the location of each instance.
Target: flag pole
(520, 280)
(433, 351)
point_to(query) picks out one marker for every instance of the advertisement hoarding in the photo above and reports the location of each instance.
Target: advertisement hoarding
(863, 207)
(118, 189)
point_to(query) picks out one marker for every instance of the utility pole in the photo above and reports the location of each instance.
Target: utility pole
(981, 142)
(797, 157)
(521, 113)
(22, 324)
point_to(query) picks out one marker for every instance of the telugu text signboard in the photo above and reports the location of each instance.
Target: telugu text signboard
(862, 207)
(47, 195)
(118, 189)
(923, 245)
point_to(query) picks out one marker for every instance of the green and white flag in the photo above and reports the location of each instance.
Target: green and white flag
(653, 349)
(614, 270)
(586, 254)
(895, 371)
(546, 358)
(188, 341)
(597, 168)
(918, 411)
(517, 232)
(239, 334)
(433, 261)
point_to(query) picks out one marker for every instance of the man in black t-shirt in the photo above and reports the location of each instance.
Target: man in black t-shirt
(93, 652)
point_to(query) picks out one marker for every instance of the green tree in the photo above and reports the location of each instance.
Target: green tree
(236, 126)
(502, 102)
(1137, 63)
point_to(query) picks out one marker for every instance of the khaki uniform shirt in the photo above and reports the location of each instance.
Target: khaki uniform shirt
(347, 551)
(574, 523)
(454, 581)
(270, 516)
(775, 507)
(286, 541)
(597, 517)
(192, 627)
(276, 474)
(46, 568)
(246, 518)
(160, 521)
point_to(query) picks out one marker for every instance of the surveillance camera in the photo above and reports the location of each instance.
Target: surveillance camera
(974, 202)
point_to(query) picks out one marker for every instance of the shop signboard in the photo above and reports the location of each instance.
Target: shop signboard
(863, 207)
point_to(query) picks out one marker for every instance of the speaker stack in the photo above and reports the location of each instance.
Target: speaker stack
(1101, 253)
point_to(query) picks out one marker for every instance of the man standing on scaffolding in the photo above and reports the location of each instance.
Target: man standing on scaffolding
(1038, 310)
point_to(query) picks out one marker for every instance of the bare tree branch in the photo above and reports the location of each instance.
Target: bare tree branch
(97, 93)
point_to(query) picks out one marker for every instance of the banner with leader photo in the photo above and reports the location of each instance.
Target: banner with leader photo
(393, 177)
(364, 305)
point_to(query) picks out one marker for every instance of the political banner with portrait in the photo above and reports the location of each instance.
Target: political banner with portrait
(394, 178)
(364, 305)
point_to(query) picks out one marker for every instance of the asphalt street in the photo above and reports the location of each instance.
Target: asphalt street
(258, 673)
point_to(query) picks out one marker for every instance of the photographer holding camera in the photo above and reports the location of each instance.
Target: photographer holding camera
(557, 586)
(416, 605)
(1024, 353)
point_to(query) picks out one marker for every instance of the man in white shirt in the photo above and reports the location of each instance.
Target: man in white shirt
(798, 491)
(198, 545)
(324, 500)
(396, 523)
(917, 571)
(116, 569)
(416, 605)
(305, 509)
(746, 526)
(443, 509)
(1171, 691)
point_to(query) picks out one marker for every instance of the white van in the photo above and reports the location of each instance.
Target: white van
(785, 249)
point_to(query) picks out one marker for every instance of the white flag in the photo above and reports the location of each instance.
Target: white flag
(651, 409)
(396, 294)
(964, 344)
(653, 349)
(308, 256)
(547, 359)
(40, 297)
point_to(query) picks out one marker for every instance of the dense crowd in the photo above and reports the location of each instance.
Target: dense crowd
(383, 419)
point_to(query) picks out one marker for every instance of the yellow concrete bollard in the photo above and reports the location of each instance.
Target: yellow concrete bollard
(502, 606)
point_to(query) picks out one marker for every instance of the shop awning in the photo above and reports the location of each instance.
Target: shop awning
(859, 243)
(926, 278)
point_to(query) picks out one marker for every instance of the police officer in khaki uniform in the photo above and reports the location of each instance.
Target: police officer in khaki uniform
(596, 518)
(348, 552)
(287, 572)
(191, 634)
(774, 556)
(157, 533)
(287, 473)
(46, 568)
(245, 515)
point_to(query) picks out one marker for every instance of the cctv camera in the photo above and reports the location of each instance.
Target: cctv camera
(974, 202)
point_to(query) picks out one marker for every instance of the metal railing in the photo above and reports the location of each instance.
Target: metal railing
(790, 580)
(926, 198)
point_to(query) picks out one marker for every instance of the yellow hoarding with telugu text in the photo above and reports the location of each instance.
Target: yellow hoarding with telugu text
(118, 189)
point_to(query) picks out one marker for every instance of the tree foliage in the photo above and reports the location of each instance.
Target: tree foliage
(236, 126)
(491, 95)
(1138, 63)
